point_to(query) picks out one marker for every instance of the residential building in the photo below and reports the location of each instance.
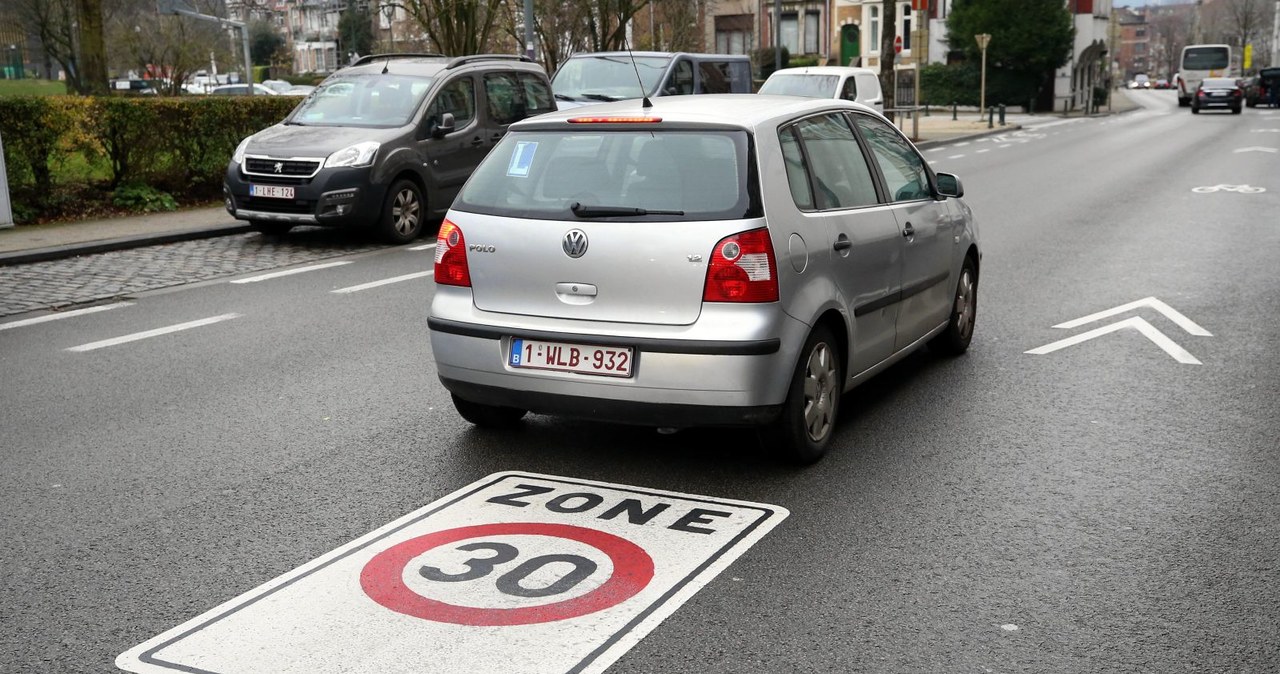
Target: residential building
(1074, 83)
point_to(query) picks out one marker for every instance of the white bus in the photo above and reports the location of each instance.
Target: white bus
(1198, 62)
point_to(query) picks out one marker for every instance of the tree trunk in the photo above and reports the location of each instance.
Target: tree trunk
(888, 31)
(93, 54)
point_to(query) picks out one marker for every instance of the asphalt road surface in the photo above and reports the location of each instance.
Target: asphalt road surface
(1109, 504)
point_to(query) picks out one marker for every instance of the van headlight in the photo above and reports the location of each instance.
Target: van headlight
(360, 154)
(238, 156)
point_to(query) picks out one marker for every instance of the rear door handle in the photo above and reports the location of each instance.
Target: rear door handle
(909, 231)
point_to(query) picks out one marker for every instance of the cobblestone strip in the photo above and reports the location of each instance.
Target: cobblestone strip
(90, 278)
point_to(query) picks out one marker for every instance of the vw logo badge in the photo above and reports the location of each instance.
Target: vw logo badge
(575, 243)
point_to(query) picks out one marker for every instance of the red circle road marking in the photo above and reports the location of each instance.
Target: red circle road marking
(382, 578)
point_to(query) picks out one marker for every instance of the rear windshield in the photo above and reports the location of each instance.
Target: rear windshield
(598, 174)
(372, 99)
(1218, 83)
(609, 78)
(1205, 58)
(814, 86)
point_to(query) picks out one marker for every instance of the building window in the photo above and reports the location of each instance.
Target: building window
(873, 35)
(789, 33)
(734, 34)
(906, 34)
(811, 33)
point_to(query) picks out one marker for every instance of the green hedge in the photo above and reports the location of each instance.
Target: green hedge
(177, 145)
(962, 83)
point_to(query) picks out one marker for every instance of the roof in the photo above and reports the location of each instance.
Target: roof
(824, 70)
(662, 54)
(746, 111)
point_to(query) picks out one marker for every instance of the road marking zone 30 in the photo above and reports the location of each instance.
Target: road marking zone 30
(516, 572)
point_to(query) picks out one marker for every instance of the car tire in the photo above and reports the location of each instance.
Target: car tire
(403, 213)
(1182, 102)
(271, 228)
(954, 339)
(803, 430)
(1195, 110)
(488, 416)
(1235, 110)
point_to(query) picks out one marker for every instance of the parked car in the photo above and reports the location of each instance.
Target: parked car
(1218, 92)
(1263, 88)
(134, 86)
(278, 86)
(851, 84)
(241, 90)
(651, 266)
(596, 77)
(299, 90)
(384, 143)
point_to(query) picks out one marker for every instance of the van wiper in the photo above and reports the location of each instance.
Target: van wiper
(610, 211)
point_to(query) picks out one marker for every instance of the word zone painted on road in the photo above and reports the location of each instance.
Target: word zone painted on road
(516, 572)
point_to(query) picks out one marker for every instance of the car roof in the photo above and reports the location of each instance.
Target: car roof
(594, 54)
(823, 70)
(428, 65)
(746, 111)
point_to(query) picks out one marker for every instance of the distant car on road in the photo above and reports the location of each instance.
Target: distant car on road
(242, 90)
(1162, 84)
(861, 85)
(1263, 88)
(1218, 92)
(707, 261)
(1140, 81)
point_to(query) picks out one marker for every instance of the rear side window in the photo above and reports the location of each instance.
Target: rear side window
(503, 94)
(904, 171)
(541, 174)
(797, 169)
(839, 172)
(715, 78)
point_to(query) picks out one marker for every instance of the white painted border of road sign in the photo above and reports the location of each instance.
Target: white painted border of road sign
(600, 659)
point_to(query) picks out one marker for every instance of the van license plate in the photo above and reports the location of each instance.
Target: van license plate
(272, 191)
(608, 361)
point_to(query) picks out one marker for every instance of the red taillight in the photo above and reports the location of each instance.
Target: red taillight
(1200, 93)
(742, 269)
(451, 256)
(1237, 93)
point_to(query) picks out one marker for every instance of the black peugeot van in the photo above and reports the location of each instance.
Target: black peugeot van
(385, 143)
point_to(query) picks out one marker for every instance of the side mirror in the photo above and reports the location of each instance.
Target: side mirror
(445, 127)
(949, 186)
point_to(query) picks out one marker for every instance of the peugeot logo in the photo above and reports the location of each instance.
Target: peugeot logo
(575, 243)
(279, 167)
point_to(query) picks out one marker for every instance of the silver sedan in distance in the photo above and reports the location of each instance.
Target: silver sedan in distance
(698, 261)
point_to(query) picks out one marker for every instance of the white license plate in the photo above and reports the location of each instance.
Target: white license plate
(273, 191)
(608, 361)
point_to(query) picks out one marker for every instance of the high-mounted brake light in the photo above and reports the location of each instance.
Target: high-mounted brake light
(614, 120)
(451, 257)
(742, 269)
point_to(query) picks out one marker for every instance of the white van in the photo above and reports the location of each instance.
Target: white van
(861, 85)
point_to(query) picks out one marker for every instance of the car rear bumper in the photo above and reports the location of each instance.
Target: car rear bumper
(732, 367)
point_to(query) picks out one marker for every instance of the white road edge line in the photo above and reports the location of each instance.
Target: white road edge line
(152, 333)
(65, 314)
(383, 282)
(290, 272)
(423, 247)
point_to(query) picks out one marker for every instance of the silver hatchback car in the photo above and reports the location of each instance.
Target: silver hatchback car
(699, 261)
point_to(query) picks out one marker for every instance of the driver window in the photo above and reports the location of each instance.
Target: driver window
(680, 81)
(457, 97)
(850, 91)
(904, 171)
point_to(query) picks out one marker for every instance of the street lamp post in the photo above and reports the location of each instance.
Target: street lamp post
(983, 40)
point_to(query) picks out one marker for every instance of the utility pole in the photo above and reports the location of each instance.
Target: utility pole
(1275, 37)
(983, 39)
(180, 7)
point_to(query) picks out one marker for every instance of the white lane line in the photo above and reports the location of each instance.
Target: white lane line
(984, 150)
(961, 144)
(65, 314)
(423, 247)
(290, 272)
(955, 156)
(1001, 147)
(935, 149)
(152, 333)
(383, 282)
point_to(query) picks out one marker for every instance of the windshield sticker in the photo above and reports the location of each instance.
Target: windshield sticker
(522, 159)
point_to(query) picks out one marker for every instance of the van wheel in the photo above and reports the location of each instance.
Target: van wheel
(954, 340)
(803, 430)
(403, 213)
(271, 228)
(488, 416)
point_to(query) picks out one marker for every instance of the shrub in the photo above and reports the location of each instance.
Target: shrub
(765, 59)
(143, 198)
(802, 62)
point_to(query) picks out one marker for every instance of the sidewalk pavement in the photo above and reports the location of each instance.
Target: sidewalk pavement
(37, 243)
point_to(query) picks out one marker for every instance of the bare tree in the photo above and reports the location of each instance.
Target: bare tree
(888, 32)
(53, 23)
(1238, 22)
(457, 27)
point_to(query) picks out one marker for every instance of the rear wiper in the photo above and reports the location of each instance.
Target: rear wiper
(562, 97)
(609, 211)
(601, 97)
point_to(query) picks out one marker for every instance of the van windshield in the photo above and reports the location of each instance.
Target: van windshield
(813, 86)
(373, 100)
(608, 78)
(575, 174)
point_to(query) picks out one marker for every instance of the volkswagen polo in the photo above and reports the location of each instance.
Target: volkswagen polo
(701, 260)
